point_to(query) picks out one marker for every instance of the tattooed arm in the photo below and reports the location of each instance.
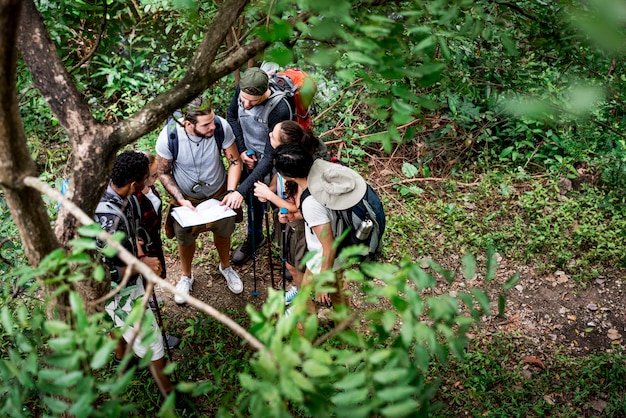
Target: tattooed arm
(164, 168)
(233, 199)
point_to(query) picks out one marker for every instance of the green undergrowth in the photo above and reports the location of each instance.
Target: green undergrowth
(503, 377)
(526, 219)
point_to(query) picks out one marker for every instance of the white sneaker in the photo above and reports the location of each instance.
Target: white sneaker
(184, 285)
(232, 279)
(291, 295)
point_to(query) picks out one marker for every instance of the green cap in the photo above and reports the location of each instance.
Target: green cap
(254, 81)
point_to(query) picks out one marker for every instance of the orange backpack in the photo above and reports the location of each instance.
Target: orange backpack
(298, 84)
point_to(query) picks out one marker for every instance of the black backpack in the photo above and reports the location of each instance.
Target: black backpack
(172, 133)
(369, 208)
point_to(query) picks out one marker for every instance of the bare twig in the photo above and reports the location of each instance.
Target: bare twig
(98, 39)
(332, 106)
(142, 268)
(336, 330)
(419, 179)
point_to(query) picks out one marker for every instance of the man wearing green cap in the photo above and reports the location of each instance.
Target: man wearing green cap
(253, 113)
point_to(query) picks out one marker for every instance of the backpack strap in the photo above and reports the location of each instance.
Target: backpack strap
(219, 133)
(273, 101)
(306, 193)
(172, 133)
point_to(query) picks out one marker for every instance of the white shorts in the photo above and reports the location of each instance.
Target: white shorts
(158, 349)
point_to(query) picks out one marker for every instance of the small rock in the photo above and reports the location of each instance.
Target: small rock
(598, 405)
(592, 307)
(614, 334)
(519, 287)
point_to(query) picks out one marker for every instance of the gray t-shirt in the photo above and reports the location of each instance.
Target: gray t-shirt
(198, 161)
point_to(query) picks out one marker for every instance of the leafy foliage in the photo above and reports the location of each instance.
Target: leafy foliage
(379, 370)
(519, 87)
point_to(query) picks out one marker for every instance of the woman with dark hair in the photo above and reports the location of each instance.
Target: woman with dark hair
(282, 194)
(296, 164)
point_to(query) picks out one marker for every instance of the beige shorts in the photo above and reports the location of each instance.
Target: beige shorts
(186, 236)
(139, 348)
(296, 241)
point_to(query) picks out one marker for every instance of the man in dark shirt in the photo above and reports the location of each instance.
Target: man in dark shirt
(253, 113)
(114, 213)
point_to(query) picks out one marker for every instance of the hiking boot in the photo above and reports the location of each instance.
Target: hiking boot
(171, 341)
(244, 252)
(290, 295)
(232, 279)
(184, 285)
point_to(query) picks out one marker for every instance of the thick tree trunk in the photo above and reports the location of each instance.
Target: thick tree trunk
(94, 145)
(26, 205)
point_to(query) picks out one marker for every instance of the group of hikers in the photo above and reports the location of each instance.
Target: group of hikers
(272, 162)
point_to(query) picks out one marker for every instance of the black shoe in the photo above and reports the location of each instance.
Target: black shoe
(244, 252)
(171, 341)
(152, 304)
(134, 362)
(184, 406)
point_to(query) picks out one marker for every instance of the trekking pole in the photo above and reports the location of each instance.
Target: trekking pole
(252, 240)
(269, 246)
(157, 311)
(253, 232)
(283, 231)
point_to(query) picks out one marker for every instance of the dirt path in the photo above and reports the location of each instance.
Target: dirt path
(550, 310)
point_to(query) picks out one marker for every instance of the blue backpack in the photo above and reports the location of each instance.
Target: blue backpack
(172, 133)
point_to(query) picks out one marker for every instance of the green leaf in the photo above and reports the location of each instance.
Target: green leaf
(102, 355)
(301, 381)
(7, 320)
(492, 264)
(83, 244)
(402, 409)
(91, 230)
(361, 58)
(409, 170)
(69, 379)
(380, 270)
(352, 380)
(388, 320)
(380, 356)
(501, 304)
(506, 152)
(482, 299)
(78, 309)
(351, 397)
(396, 393)
(387, 376)
(509, 45)
(56, 405)
(315, 369)
(469, 266)
(55, 327)
(511, 282)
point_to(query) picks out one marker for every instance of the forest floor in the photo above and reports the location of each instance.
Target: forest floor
(552, 312)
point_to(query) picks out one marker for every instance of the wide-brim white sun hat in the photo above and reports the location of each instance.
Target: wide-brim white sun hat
(335, 186)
